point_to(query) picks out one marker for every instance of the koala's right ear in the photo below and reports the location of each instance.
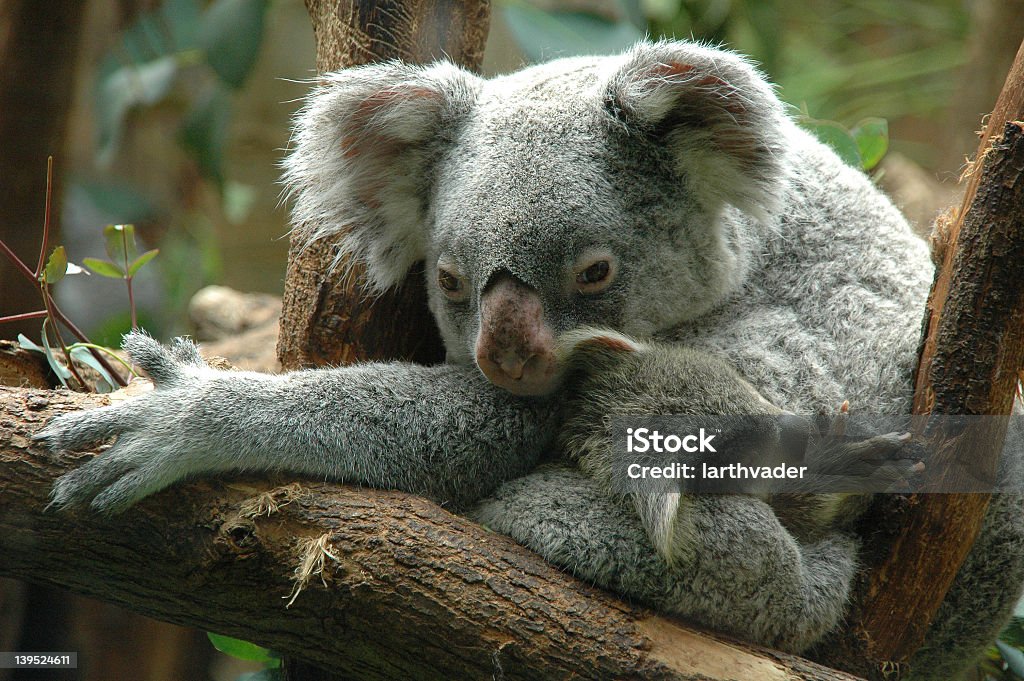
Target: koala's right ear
(359, 164)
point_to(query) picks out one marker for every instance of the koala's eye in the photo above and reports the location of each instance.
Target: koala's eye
(595, 276)
(451, 283)
(595, 273)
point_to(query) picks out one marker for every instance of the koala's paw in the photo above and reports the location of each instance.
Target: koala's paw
(148, 454)
(864, 462)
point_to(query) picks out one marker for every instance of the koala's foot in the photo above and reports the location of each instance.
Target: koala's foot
(839, 460)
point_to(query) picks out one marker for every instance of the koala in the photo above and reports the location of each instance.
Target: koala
(665, 194)
(608, 375)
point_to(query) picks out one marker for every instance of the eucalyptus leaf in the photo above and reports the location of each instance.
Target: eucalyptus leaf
(243, 650)
(83, 355)
(104, 268)
(872, 137)
(25, 344)
(142, 260)
(1013, 657)
(56, 266)
(61, 371)
(116, 238)
(836, 136)
(230, 34)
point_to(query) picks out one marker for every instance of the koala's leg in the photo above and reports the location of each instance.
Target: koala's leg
(989, 583)
(742, 572)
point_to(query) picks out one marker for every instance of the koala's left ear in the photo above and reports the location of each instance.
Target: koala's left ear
(360, 160)
(719, 117)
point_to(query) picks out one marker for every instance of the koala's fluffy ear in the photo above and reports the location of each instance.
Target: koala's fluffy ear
(720, 118)
(360, 160)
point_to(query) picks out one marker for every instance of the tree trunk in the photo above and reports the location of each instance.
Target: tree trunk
(329, 321)
(970, 362)
(368, 584)
(38, 46)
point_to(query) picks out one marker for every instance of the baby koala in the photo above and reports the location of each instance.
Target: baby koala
(611, 379)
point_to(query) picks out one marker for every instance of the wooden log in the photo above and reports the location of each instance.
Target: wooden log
(368, 584)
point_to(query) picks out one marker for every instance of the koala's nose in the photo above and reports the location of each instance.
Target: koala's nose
(512, 365)
(515, 365)
(515, 347)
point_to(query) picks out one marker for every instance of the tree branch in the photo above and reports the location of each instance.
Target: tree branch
(395, 587)
(971, 357)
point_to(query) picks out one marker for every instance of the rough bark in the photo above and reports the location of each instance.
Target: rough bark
(38, 42)
(395, 587)
(970, 361)
(329, 321)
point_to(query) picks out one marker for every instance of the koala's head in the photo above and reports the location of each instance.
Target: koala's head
(623, 192)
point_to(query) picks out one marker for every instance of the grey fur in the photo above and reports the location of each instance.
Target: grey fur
(735, 233)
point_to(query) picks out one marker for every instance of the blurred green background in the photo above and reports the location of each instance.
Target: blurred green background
(175, 115)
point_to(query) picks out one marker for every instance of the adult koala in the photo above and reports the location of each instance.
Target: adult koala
(663, 194)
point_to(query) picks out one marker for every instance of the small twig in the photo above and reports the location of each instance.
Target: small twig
(46, 218)
(17, 262)
(23, 316)
(128, 277)
(62, 318)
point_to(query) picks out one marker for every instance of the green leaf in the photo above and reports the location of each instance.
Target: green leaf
(836, 136)
(204, 133)
(1013, 657)
(243, 650)
(85, 357)
(542, 35)
(142, 260)
(115, 238)
(872, 137)
(230, 34)
(104, 268)
(56, 266)
(61, 371)
(25, 344)
(124, 88)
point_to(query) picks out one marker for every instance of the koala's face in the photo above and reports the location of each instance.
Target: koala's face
(580, 193)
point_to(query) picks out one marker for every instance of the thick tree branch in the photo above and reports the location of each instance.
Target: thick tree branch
(971, 357)
(395, 587)
(328, 321)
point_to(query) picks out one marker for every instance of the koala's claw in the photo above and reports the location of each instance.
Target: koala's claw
(881, 463)
(141, 461)
(80, 429)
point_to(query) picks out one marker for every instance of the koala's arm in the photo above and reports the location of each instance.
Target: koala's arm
(439, 431)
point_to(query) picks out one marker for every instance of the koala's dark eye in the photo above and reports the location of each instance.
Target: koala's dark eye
(451, 283)
(594, 274)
